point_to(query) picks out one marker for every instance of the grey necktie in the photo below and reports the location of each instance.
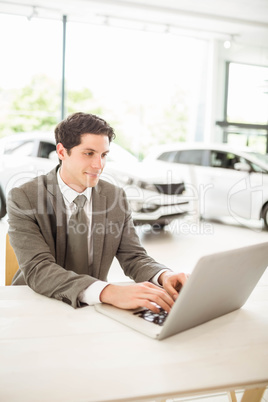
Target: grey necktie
(77, 245)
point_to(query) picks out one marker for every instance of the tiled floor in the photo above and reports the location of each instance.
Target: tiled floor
(179, 246)
(182, 243)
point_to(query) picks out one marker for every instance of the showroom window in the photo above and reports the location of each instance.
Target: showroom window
(246, 106)
(30, 74)
(138, 80)
(148, 85)
(247, 94)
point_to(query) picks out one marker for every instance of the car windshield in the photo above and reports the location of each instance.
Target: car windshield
(19, 147)
(119, 154)
(260, 157)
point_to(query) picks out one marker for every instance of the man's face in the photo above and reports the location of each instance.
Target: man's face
(81, 168)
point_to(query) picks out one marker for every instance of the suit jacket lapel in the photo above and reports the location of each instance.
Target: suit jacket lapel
(59, 214)
(98, 228)
(56, 199)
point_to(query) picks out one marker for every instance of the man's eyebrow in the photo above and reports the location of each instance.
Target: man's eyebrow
(94, 150)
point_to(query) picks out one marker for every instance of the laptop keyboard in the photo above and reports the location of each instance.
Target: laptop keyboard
(156, 318)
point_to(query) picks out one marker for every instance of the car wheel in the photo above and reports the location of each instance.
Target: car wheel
(3, 210)
(265, 216)
(158, 226)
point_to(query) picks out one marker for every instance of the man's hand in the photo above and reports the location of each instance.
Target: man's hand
(143, 294)
(172, 282)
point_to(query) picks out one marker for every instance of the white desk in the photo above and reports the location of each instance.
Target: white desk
(51, 352)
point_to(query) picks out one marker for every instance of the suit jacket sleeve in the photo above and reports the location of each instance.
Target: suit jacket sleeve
(39, 241)
(133, 258)
(32, 238)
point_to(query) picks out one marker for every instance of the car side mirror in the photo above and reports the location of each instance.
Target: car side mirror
(53, 156)
(243, 167)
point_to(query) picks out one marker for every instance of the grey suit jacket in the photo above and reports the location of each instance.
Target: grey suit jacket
(38, 234)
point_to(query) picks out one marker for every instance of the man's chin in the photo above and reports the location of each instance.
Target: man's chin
(92, 182)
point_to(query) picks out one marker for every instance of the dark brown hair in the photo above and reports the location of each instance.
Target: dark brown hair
(70, 130)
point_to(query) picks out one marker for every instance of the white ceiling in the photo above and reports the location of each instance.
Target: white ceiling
(246, 21)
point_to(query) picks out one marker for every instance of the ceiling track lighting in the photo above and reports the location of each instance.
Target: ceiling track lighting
(228, 42)
(33, 14)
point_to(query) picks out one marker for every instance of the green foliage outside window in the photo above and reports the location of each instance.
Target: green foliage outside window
(37, 106)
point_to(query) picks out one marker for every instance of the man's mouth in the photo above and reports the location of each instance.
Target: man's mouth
(90, 174)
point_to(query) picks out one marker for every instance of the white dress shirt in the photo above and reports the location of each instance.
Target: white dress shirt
(90, 295)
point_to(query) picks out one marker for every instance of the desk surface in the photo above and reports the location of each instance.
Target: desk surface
(52, 352)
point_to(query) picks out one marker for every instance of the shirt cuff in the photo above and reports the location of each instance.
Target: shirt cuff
(91, 295)
(154, 279)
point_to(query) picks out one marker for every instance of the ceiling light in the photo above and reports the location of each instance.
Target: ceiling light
(227, 44)
(33, 14)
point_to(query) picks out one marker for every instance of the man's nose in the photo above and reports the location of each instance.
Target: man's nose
(97, 162)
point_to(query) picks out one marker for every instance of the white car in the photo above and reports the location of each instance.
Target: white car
(225, 181)
(26, 155)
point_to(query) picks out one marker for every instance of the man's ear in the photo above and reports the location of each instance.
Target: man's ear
(61, 151)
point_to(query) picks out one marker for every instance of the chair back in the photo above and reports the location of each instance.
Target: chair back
(12, 264)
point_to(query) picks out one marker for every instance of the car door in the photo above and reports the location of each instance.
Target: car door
(230, 190)
(193, 166)
(19, 162)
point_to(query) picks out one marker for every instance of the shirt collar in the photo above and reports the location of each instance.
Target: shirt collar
(68, 193)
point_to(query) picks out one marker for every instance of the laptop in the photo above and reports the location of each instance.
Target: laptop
(220, 283)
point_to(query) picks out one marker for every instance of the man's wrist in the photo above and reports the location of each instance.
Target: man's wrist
(155, 278)
(91, 295)
(104, 295)
(162, 276)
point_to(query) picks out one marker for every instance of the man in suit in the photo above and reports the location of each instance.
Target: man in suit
(40, 214)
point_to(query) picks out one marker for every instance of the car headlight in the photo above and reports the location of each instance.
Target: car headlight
(146, 186)
(142, 207)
